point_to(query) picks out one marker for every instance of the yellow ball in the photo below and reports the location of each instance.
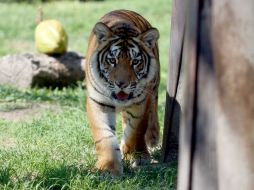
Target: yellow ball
(50, 37)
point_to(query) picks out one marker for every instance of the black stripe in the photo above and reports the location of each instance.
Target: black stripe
(100, 57)
(112, 127)
(139, 95)
(140, 102)
(155, 87)
(110, 130)
(96, 89)
(104, 138)
(129, 124)
(102, 104)
(147, 62)
(146, 57)
(133, 116)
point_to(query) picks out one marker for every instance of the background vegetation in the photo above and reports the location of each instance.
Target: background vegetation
(40, 1)
(54, 150)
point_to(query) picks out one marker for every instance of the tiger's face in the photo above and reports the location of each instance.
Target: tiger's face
(124, 65)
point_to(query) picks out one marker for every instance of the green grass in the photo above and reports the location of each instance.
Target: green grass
(55, 149)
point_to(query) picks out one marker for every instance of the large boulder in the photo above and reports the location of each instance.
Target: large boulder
(40, 70)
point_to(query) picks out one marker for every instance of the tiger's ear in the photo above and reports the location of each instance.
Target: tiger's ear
(102, 32)
(150, 37)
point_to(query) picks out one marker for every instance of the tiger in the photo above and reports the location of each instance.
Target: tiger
(122, 76)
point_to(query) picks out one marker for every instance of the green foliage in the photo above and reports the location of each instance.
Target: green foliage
(65, 96)
(39, 1)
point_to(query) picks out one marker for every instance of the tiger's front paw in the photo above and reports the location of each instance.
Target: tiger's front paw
(112, 166)
(141, 159)
(125, 149)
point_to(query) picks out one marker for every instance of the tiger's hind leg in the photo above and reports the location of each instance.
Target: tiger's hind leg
(102, 122)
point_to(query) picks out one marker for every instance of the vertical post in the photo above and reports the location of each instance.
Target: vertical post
(233, 34)
(217, 124)
(174, 84)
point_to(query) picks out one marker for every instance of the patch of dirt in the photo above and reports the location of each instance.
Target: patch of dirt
(7, 143)
(27, 113)
(20, 45)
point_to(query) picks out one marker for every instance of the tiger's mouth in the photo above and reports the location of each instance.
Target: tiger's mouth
(122, 96)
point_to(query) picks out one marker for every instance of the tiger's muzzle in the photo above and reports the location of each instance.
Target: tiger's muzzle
(122, 96)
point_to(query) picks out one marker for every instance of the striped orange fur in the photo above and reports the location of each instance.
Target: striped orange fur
(122, 75)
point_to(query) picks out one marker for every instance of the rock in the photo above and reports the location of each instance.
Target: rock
(39, 70)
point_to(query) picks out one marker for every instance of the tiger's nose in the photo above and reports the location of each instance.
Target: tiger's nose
(121, 84)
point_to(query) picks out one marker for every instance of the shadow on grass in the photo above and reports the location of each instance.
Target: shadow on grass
(5, 176)
(65, 96)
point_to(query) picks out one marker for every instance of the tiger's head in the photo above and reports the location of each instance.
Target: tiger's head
(124, 62)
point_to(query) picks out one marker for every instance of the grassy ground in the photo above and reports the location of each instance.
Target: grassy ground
(54, 149)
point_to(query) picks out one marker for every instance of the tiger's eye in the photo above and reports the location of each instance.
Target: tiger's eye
(135, 61)
(112, 60)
